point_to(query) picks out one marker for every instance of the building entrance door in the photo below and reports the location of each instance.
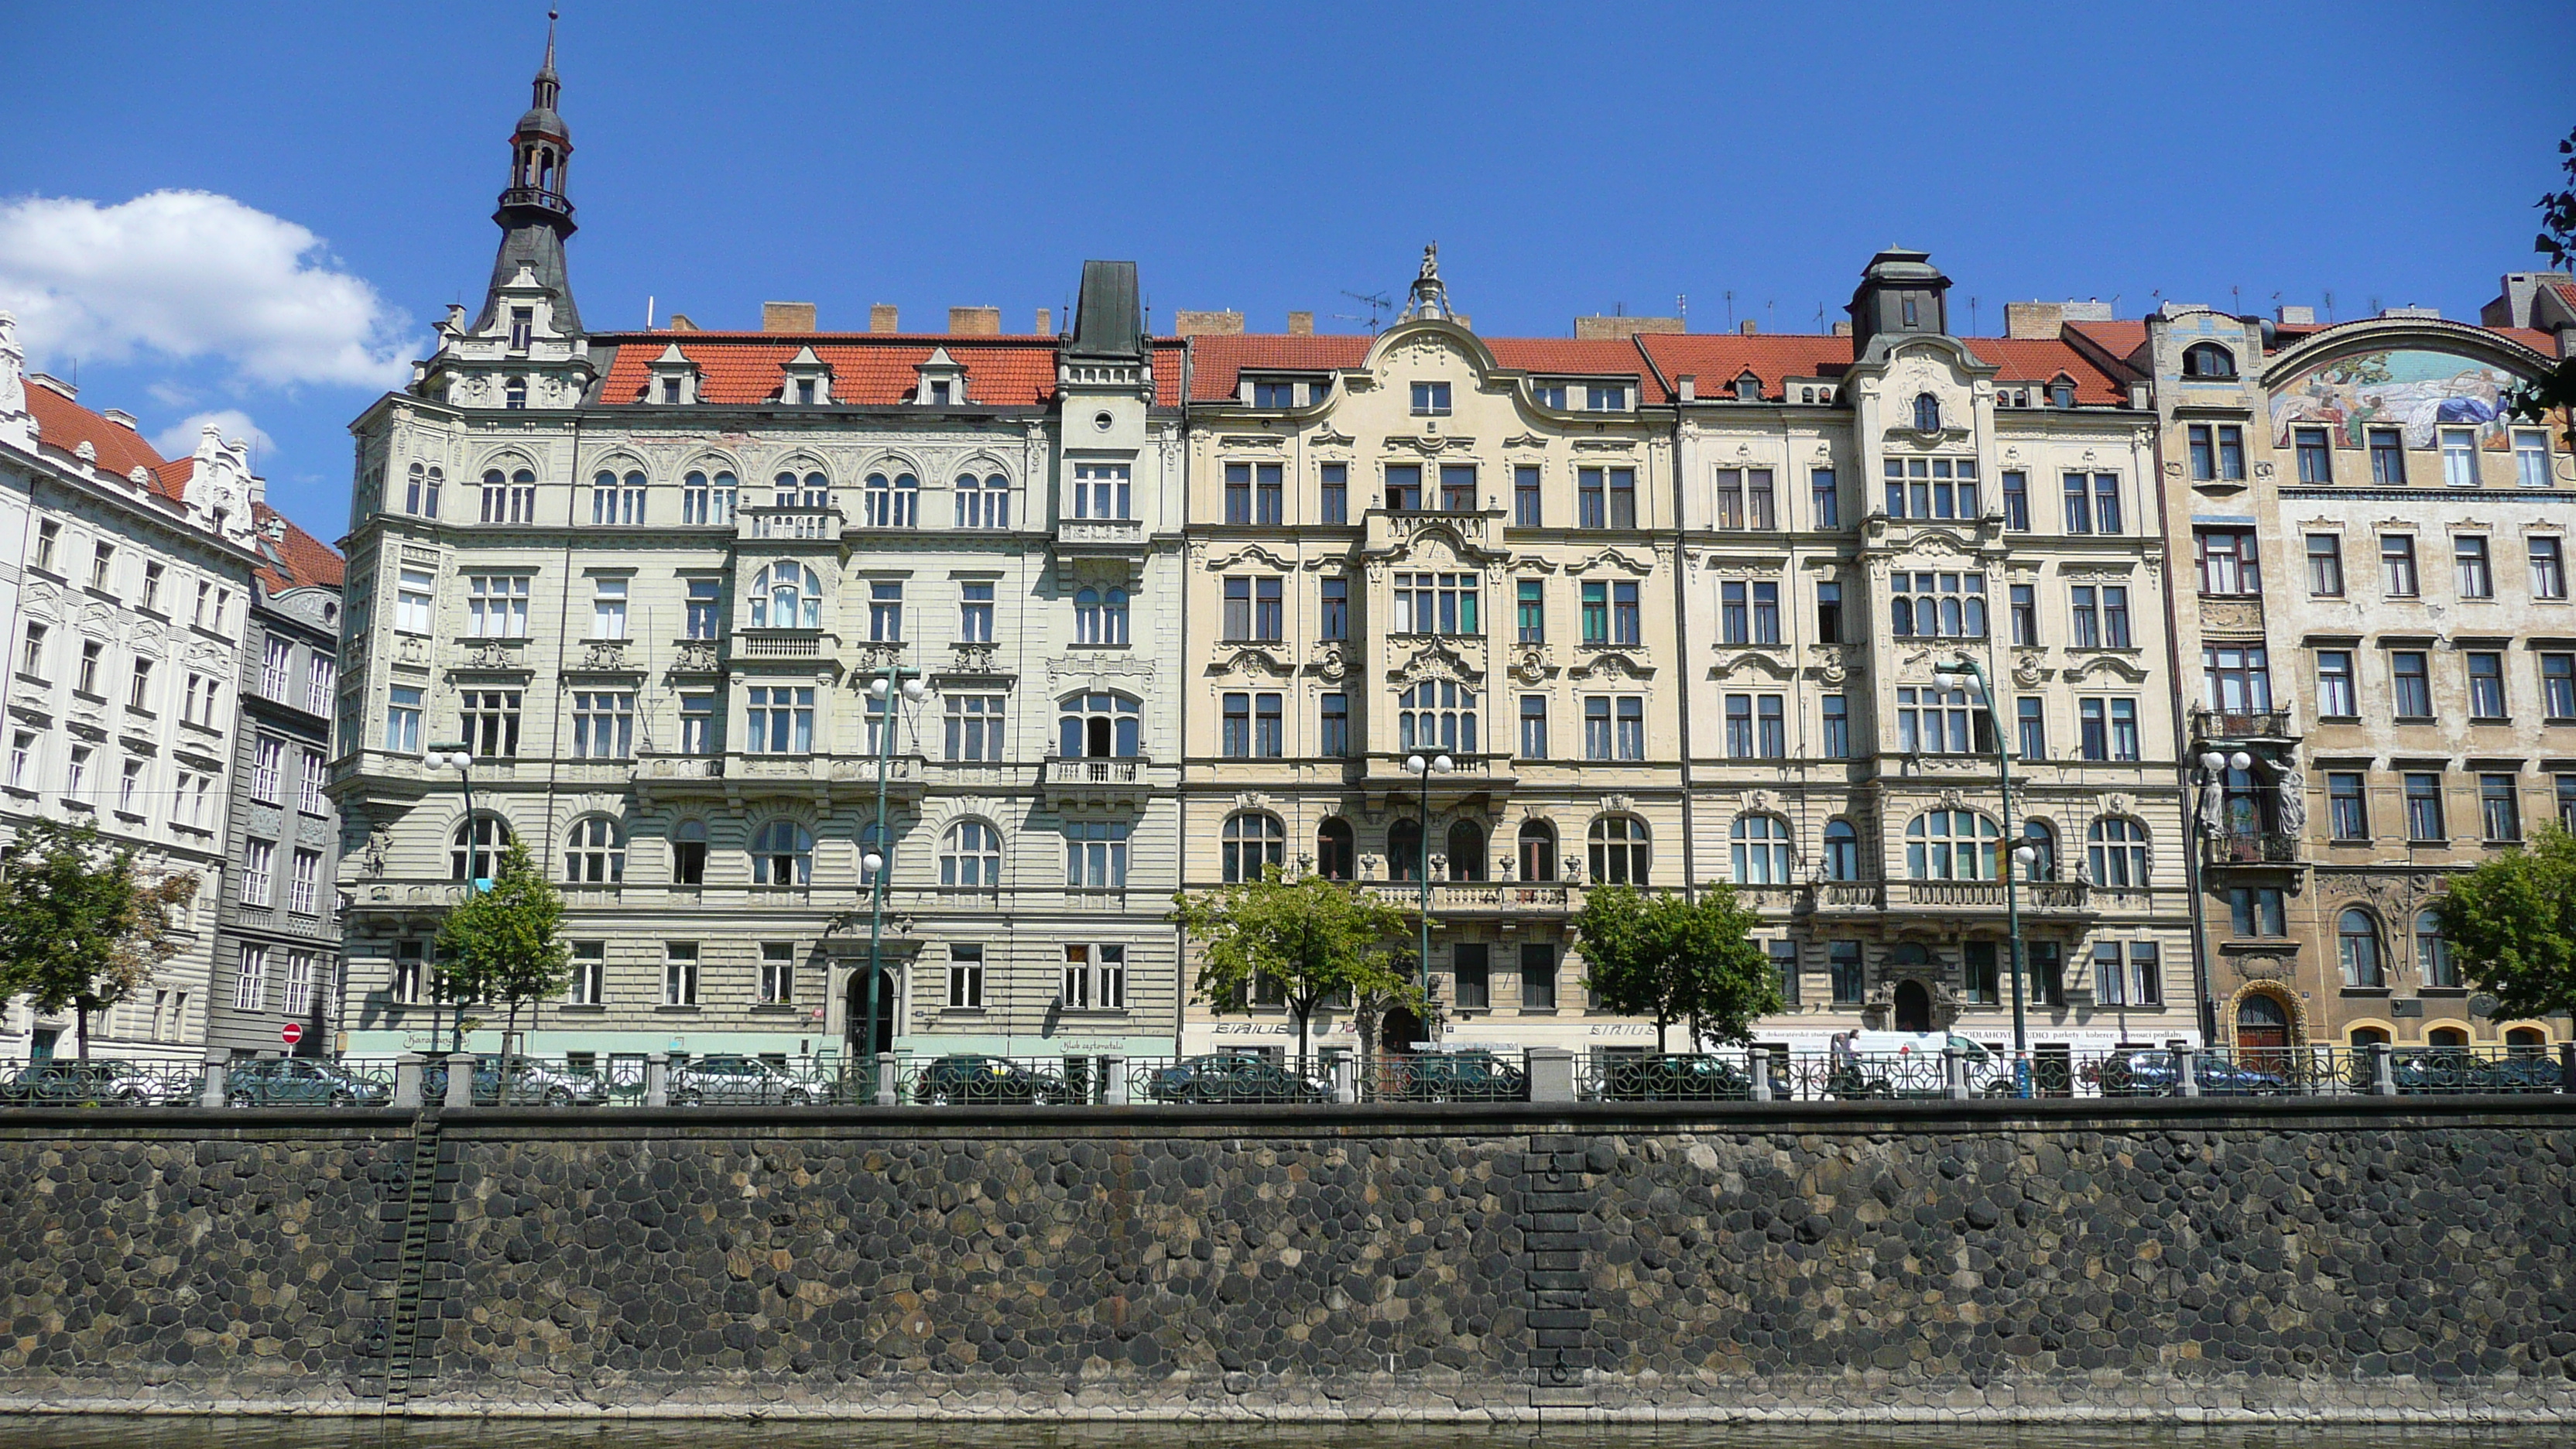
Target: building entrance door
(1913, 1007)
(887, 1009)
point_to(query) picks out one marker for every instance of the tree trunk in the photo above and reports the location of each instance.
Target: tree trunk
(80, 1024)
(1305, 1013)
(1660, 1024)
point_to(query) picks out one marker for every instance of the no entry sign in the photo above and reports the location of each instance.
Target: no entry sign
(291, 1033)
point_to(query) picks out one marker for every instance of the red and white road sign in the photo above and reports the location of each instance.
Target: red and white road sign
(291, 1033)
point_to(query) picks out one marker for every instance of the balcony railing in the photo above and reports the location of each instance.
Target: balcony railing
(1090, 770)
(2042, 896)
(2251, 847)
(780, 644)
(775, 523)
(2262, 724)
(1112, 534)
(1479, 897)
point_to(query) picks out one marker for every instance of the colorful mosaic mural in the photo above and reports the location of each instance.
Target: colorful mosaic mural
(2415, 390)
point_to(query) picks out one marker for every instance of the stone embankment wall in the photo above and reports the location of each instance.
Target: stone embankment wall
(2359, 1258)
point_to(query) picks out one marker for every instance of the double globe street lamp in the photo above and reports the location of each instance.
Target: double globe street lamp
(873, 861)
(1426, 767)
(1964, 673)
(457, 755)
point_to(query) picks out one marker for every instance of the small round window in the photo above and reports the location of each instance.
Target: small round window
(1100, 421)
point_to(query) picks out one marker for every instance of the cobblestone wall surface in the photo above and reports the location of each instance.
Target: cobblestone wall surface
(2373, 1260)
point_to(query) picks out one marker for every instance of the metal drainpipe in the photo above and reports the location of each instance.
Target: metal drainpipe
(2180, 718)
(1682, 639)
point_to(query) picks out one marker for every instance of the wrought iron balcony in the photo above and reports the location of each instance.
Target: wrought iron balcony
(2215, 726)
(2251, 847)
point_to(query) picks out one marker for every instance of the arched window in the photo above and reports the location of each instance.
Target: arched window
(2450, 1037)
(2357, 946)
(1842, 851)
(706, 501)
(2432, 953)
(1950, 845)
(1466, 851)
(893, 502)
(615, 500)
(782, 854)
(2208, 359)
(1927, 413)
(1097, 726)
(1252, 843)
(420, 494)
(1336, 850)
(477, 843)
(811, 491)
(1760, 847)
(970, 857)
(1618, 850)
(1100, 616)
(594, 852)
(2117, 847)
(2368, 1036)
(787, 595)
(1538, 850)
(983, 502)
(2520, 1039)
(2042, 840)
(514, 393)
(1404, 850)
(509, 500)
(689, 853)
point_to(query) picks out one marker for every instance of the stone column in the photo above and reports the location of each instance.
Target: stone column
(460, 1079)
(1113, 1081)
(657, 1079)
(2187, 1071)
(1954, 1072)
(1346, 1080)
(1760, 1063)
(885, 1079)
(2383, 1070)
(407, 1080)
(1551, 1074)
(213, 1093)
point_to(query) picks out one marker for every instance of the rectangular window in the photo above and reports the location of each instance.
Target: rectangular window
(311, 797)
(259, 865)
(2024, 600)
(975, 727)
(1826, 497)
(1335, 502)
(2231, 452)
(1837, 728)
(965, 978)
(697, 724)
(277, 668)
(412, 601)
(589, 984)
(2387, 458)
(2499, 811)
(1784, 970)
(2325, 566)
(1601, 398)
(2411, 681)
(1458, 488)
(603, 724)
(2257, 911)
(85, 677)
(2236, 678)
(2548, 569)
(2424, 808)
(2093, 720)
(608, 608)
(402, 720)
(2486, 686)
(2397, 565)
(1624, 614)
(321, 672)
(679, 973)
(1269, 494)
(1829, 613)
(102, 565)
(2531, 458)
(1745, 499)
(2084, 608)
(2031, 726)
(1525, 496)
(491, 720)
(1436, 604)
(2079, 504)
(2476, 577)
(2106, 503)
(1469, 968)
(129, 789)
(1333, 733)
(2115, 616)
(1234, 726)
(496, 606)
(250, 986)
(151, 600)
(1529, 615)
(1843, 962)
(1632, 724)
(1533, 744)
(1938, 722)
(299, 983)
(31, 651)
(2203, 445)
(304, 885)
(2110, 985)
(2336, 696)
(1538, 976)
(1095, 854)
(777, 973)
(1596, 727)
(1238, 608)
(780, 720)
(1238, 493)
(2016, 501)
(1269, 614)
(1980, 979)
(1931, 488)
(2567, 803)
(2316, 459)
(2460, 457)
(267, 769)
(885, 611)
(2230, 564)
(1769, 716)
(49, 536)
(1101, 490)
(975, 613)
(410, 973)
(2558, 687)
(1431, 399)
(2347, 807)
(1735, 616)
(76, 777)
(1595, 613)
(2146, 974)
(22, 758)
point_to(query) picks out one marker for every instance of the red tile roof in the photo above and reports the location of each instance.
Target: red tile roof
(2121, 339)
(2036, 360)
(296, 559)
(65, 424)
(1580, 357)
(1717, 359)
(869, 369)
(1217, 363)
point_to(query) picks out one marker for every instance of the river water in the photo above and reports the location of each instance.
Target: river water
(241, 1433)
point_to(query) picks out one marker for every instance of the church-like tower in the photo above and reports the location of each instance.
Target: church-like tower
(535, 214)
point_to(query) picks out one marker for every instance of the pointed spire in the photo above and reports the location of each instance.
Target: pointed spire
(547, 86)
(536, 206)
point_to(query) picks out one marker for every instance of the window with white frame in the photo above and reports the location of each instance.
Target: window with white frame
(787, 595)
(299, 983)
(1095, 854)
(512, 499)
(1100, 616)
(2531, 458)
(1436, 714)
(304, 883)
(412, 594)
(679, 973)
(777, 973)
(496, 606)
(267, 769)
(1095, 978)
(983, 502)
(975, 727)
(589, 984)
(408, 980)
(970, 857)
(402, 720)
(707, 499)
(966, 977)
(250, 983)
(608, 608)
(615, 500)
(491, 720)
(781, 720)
(315, 776)
(277, 668)
(1937, 605)
(975, 612)
(2460, 457)
(259, 866)
(893, 500)
(1100, 490)
(321, 675)
(603, 724)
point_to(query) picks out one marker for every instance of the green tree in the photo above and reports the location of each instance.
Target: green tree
(500, 943)
(2554, 394)
(1671, 959)
(2511, 925)
(81, 924)
(1313, 938)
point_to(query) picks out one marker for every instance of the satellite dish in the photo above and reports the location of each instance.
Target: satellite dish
(2482, 1006)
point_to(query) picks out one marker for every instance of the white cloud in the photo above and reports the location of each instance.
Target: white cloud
(179, 440)
(189, 274)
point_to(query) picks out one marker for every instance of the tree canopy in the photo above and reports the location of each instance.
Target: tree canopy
(1677, 960)
(2555, 394)
(2511, 925)
(501, 942)
(82, 925)
(1312, 938)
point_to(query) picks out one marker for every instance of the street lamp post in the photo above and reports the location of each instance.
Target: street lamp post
(457, 755)
(1426, 768)
(883, 688)
(1961, 673)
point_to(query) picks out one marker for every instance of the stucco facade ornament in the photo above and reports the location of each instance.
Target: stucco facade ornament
(1532, 663)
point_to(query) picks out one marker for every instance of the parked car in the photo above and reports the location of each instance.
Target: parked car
(1675, 1077)
(965, 1077)
(529, 1082)
(738, 1081)
(2457, 1069)
(101, 1082)
(300, 1081)
(1234, 1077)
(1464, 1076)
(2153, 1073)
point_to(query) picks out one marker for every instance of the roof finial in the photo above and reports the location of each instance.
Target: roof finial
(1430, 295)
(552, 16)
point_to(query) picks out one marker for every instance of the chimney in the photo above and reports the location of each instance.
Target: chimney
(2428, 314)
(1686, 387)
(1747, 327)
(881, 318)
(786, 316)
(2289, 316)
(975, 321)
(1621, 327)
(1842, 329)
(1301, 324)
(2033, 320)
(51, 383)
(1046, 322)
(680, 323)
(121, 418)
(1207, 324)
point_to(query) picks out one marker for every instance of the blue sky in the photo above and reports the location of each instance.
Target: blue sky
(1569, 159)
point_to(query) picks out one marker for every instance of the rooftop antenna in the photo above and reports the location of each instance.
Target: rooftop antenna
(2374, 306)
(1730, 311)
(1973, 325)
(1771, 315)
(1378, 304)
(1681, 308)
(2330, 311)
(2236, 299)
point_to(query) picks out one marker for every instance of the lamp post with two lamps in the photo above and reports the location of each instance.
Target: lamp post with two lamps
(882, 689)
(1426, 767)
(457, 755)
(1964, 673)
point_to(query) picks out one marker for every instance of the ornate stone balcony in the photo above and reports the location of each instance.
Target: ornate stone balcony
(1101, 537)
(1971, 897)
(1095, 780)
(1482, 899)
(787, 524)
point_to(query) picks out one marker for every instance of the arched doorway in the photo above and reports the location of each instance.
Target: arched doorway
(1913, 1006)
(889, 1006)
(1398, 1030)
(2262, 1033)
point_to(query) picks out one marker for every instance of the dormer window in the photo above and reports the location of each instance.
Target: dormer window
(1748, 388)
(1274, 394)
(1549, 395)
(670, 389)
(805, 391)
(514, 393)
(674, 380)
(523, 327)
(1906, 306)
(938, 394)
(806, 380)
(939, 381)
(1927, 408)
(2208, 359)
(1605, 398)
(2061, 393)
